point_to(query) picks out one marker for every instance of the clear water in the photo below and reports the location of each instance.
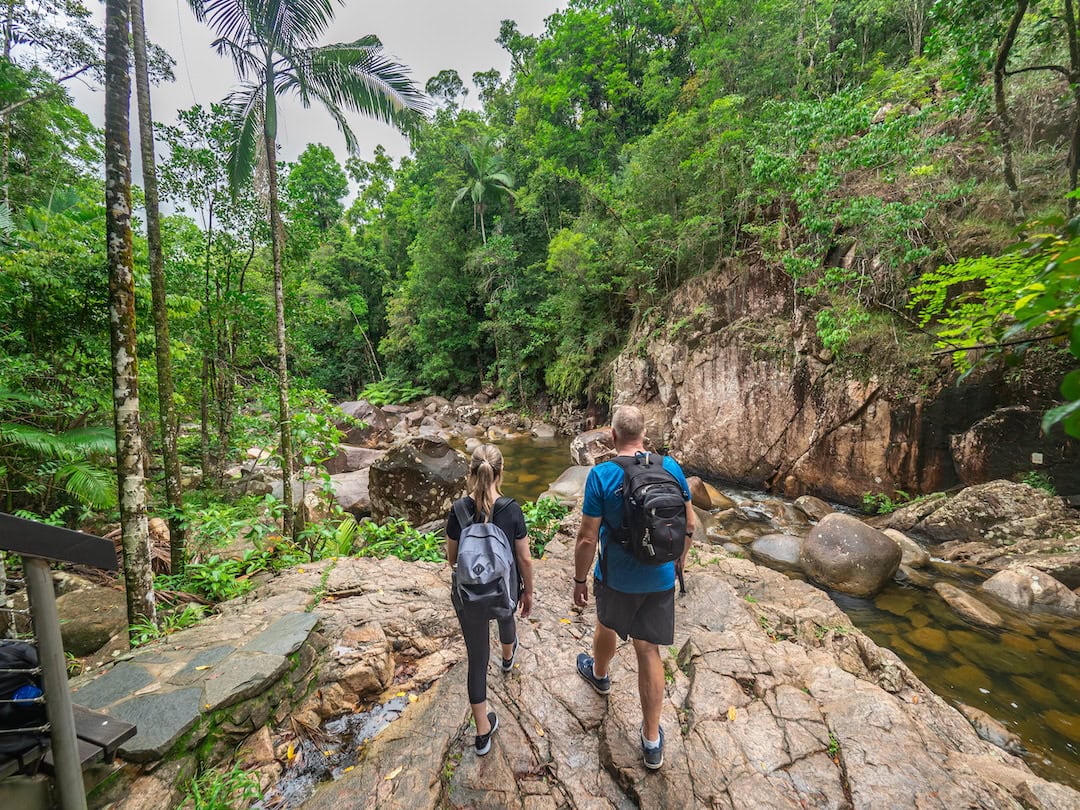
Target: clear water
(1026, 676)
(329, 754)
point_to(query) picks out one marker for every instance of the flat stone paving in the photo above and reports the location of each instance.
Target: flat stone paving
(166, 690)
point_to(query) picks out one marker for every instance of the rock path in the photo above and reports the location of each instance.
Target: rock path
(773, 701)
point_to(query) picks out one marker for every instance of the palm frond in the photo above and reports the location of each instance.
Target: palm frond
(31, 440)
(12, 397)
(92, 440)
(230, 19)
(462, 193)
(297, 22)
(359, 76)
(246, 109)
(246, 63)
(88, 483)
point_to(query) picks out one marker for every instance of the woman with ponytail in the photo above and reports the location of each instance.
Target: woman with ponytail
(485, 504)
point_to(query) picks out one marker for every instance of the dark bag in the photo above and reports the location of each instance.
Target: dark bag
(654, 510)
(20, 720)
(482, 582)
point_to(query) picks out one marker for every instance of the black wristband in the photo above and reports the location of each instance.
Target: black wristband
(580, 581)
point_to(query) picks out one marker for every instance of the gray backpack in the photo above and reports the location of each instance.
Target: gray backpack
(485, 565)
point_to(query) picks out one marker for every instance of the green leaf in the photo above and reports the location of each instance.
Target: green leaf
(1068, 413)
(1070, 386)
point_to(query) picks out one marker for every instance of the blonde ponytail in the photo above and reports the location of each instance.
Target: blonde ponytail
(485, 475)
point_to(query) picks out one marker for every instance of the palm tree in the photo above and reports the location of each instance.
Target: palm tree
(272, 47)
(484, 165)
(135, 535)
(166, 408)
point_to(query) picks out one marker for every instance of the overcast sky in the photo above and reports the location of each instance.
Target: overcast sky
(425, 35)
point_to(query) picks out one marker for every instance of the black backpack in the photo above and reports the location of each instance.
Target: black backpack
(20, 721)
(654, 510)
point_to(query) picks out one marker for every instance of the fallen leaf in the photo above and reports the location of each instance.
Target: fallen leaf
(300, 570)
(731, 713)
(914, 698)
(394, 772)
(348, 769)
(204, 666)
(412, 698)
(400, 694)
(539, 730)
(564, 621)
(290, 753)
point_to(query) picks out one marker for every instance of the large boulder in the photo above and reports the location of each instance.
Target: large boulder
(998, 511)
(781, 550)
(351, 458)
(990, 449)
(418, 479)
(914, 555)
(706, 496)
(351, 492)
(376, 430)
(968, 606)
(844, 554)
(813, 508)
(592, 447)
(569, 488)
(1024, 588)
(89, 617)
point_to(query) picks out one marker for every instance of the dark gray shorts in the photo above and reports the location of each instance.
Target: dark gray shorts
(644, 616)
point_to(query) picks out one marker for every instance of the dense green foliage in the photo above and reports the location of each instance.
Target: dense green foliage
(539, 218)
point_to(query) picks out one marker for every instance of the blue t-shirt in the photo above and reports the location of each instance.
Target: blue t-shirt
(604, 500)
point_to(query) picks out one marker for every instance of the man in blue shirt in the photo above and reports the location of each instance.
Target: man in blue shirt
(633, 599)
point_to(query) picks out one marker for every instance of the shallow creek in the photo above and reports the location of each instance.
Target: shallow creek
(1026, 676)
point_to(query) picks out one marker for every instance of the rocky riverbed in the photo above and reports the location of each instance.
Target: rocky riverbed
(776, 696)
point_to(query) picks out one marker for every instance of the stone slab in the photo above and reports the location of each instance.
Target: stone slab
(284, 636)
(116, 684)
(205, 658)
(240, 677)
(161, 719)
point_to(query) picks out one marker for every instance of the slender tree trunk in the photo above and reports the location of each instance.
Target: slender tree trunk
(289, 526)
(5, 146)
(1004, 120)
(138, 576)
(166, 407)
(1074, 81)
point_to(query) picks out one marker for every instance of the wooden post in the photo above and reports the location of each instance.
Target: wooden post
(69, 778)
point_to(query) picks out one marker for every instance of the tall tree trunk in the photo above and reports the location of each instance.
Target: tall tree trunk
(1004, 120)
(1074, 81)
(289, 526)
(166, 407)
(138, 576)
(5, 146)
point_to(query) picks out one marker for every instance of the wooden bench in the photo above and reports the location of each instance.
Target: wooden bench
(98, 736)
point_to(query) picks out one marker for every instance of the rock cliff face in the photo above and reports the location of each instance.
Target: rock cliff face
(736, 383)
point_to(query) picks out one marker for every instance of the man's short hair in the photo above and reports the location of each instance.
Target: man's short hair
(628, 423)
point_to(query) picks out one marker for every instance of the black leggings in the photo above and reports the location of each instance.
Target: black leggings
(478, 647)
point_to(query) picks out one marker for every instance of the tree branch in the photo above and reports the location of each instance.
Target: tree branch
(1000, 345)
(1056, 68)
(56, 86)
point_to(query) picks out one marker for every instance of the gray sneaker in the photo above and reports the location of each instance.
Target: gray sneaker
(585, 670)
(654, 757)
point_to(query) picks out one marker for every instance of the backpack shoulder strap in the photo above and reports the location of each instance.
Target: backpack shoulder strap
(461, 511)
(501, 503)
